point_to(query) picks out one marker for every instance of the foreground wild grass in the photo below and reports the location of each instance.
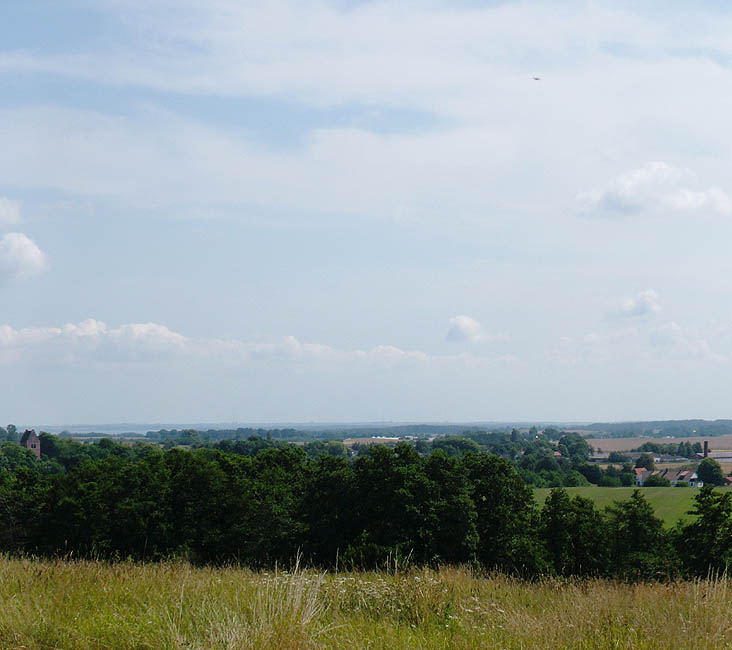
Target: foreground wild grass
(47, 604)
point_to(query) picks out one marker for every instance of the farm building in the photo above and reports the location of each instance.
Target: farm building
(688, 476)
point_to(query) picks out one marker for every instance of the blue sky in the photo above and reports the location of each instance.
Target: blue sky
(341, 211)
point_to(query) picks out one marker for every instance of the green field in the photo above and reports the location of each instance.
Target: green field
(62, 605)
(670, 504)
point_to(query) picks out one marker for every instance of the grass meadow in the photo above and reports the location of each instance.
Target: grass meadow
(93, 605)
(669, 503)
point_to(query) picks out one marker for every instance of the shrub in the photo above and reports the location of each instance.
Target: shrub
(656, 480)
(609, 481)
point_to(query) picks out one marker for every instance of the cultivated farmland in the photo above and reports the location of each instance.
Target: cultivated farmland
(718, 443)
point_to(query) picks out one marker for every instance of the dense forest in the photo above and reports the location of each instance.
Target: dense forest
(273, 503)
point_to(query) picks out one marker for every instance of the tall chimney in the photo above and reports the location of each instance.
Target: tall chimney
(706, 448)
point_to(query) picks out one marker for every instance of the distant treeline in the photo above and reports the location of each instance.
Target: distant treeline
(214, 506)
(661, 428)
(301, 435)
(550, 458)
(682, 449)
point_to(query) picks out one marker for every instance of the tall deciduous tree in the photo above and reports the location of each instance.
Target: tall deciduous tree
(705, 544)
(639, 546)
(574, 534)
(506, 516)
(710, 471)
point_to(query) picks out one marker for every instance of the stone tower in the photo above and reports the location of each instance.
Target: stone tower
(31, 441)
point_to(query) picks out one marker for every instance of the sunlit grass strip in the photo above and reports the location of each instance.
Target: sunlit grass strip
(46, 604)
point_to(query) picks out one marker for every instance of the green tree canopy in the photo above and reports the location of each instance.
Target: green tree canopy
(656, 480)
(710, 471)
(646, 460)
(705, 544)
(639, 545)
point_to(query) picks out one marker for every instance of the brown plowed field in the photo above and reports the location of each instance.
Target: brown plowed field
(720, 443)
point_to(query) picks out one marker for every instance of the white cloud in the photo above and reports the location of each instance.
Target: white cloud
(9, 212)
(645, 303)
(90, 339)
(20, 257)
(160, 159)
(655, 188)
(501, 127)
(390, 354)
(375, 53)
(465, 328)
(134, 342)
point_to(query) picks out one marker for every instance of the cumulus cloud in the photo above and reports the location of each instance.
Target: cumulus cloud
(9, 212)
(139, 342)
(20, 257)
(466, 329)
(90, 339)
(643, 304)
(656, 187)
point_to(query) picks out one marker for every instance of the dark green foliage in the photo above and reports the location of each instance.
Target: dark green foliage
(506, 516)
(656, 480)
(609, 481)
(705, 544)
(617, 457)
(592, 472)
(328, 510)
(685, 449)
(249, 447)
(454, 538)
(710, 472)
(574, 534)
(13, 457)
(639, 547)
(260, 502)
(574, 447)
(573, 478)
(646, 461)
(11, 434)
(391, 506)
(22, 494)
(550, 433)
(69, 453)
(318, 448)
(453, 446)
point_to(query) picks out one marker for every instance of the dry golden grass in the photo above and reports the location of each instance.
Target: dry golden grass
(46, 604)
